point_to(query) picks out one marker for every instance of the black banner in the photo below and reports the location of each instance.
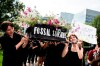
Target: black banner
(47, 32)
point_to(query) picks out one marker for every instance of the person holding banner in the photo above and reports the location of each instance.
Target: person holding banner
(73, 52)
(12, 43)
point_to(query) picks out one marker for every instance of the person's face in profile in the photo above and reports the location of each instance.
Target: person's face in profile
(10, 31)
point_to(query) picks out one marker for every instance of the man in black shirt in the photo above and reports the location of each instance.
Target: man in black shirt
(12, 45)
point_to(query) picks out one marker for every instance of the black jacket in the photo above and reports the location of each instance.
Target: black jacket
(10, 54)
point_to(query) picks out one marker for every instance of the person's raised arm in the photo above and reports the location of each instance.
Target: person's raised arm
(65, 50)
(80, 52)
(25, 41)
(20, 43)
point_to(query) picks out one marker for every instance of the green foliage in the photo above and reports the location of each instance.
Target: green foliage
(9, 9)
(96, 24)
(1, 57)
(88, 23)
(33, 21)
(16, 26)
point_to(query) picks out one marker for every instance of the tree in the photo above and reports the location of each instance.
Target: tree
(96, 24)
(16, 26)
(9, 9)
(30, 17)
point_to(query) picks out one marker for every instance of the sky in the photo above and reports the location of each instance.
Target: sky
(56, 6)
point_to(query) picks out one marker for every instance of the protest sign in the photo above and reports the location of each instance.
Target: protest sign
(84, 32)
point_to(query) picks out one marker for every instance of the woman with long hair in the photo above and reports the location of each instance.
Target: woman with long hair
(73, 52)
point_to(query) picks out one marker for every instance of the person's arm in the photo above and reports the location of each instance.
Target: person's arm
(25, 42)
(80, 52)
(34, 47)
(90, 54)
(20, 43)
(65, 50)
(95, 60)
(41, 44)
(88, 61)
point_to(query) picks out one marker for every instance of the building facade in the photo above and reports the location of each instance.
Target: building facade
(68, 17)
(85, 16)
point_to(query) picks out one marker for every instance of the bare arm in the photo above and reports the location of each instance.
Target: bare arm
(41, 44)
(34, 47)
(25, 42)
(20, 43)
(65, 50)
(80, 52)
(95, 60)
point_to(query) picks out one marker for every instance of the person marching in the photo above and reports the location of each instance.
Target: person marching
(12, 43)
(73, 52)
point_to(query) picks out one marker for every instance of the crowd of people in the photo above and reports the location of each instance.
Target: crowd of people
(19, 49)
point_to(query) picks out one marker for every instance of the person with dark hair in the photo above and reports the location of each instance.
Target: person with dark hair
(72, 53)
(94, 56)
(12, 45)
